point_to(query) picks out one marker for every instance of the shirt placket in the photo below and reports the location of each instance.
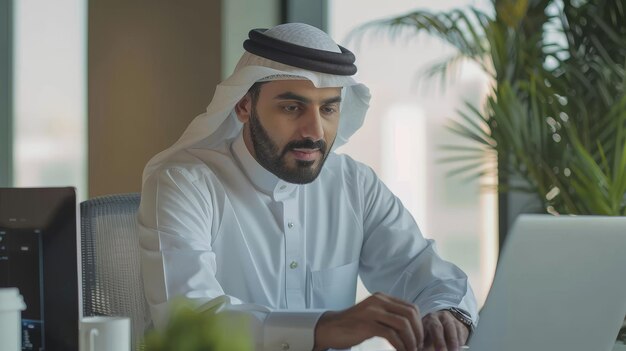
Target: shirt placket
(294, 260)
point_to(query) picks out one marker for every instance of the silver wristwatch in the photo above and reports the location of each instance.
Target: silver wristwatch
(463, 317)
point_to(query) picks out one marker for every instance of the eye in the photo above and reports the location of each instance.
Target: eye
(291, 108)
(329, 109)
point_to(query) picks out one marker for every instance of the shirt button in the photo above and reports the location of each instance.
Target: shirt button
(282, 187)
(290, 225)
(284, 346)
(293, 265)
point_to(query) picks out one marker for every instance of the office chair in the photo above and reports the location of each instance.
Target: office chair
(112, 282)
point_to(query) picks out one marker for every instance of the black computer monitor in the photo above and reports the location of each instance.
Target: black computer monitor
(39, 255)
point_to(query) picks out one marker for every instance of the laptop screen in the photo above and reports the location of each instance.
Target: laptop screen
(38, 255)
(558, 286)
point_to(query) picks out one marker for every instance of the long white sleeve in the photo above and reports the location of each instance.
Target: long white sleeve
(398, 260)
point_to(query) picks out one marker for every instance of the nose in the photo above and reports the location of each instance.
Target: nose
(311, 125)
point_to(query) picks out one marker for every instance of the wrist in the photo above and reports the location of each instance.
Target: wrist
(319, 332)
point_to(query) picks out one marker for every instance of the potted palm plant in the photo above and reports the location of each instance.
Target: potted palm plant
(556, 115)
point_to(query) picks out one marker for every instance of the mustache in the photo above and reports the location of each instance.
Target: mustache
(306, 144)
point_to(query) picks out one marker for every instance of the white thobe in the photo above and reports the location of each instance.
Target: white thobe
(215, 224)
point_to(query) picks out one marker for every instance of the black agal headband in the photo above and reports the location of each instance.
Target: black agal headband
(300, 56)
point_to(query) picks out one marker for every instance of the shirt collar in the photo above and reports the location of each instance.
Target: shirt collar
(263, 179)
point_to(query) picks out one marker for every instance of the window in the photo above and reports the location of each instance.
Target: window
(49, 85)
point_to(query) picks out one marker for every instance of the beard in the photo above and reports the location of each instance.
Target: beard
(271, 157)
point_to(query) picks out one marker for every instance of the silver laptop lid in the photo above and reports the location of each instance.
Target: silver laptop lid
(560, 285)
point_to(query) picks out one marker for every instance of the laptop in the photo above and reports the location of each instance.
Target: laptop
(560, 285)
(39, 254)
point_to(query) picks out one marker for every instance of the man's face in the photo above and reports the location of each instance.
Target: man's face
(290, 127)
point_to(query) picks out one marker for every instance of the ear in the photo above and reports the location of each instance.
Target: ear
(243, 108)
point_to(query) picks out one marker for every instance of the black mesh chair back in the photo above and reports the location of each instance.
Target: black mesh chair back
(112, 282)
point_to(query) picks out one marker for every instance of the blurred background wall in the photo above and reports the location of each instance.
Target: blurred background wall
(152, 67)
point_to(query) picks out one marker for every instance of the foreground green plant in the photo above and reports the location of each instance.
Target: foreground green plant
(191, 330)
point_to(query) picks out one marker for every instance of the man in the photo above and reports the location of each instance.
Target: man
(252, 213)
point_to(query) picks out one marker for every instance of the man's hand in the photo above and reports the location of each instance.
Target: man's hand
(393, 319)
(443, 332)
(379, 315)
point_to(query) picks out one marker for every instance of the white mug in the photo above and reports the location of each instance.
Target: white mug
(11, 307)
(102, 333)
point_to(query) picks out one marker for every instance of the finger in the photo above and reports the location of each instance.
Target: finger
(411, 312)
(450, 332)
(462, 332)
(428, 341)
(400, 324)
(435, 331)
(416, 320)
(390, 335)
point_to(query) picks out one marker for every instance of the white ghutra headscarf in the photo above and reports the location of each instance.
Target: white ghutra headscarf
(295, 43)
